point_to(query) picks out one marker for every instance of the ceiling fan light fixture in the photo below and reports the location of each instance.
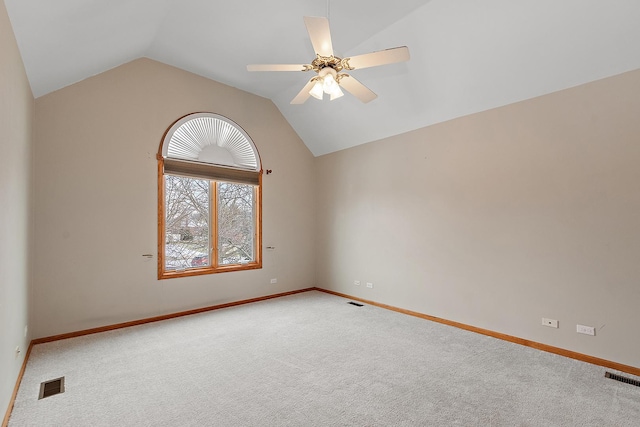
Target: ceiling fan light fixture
(327, 65)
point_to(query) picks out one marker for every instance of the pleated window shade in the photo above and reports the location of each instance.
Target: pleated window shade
(210, 146)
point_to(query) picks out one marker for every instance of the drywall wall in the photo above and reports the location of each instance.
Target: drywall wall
(16, 117)
(96, 198)
(499, 218)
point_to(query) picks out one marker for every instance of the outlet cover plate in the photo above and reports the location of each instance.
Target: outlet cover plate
(552, 323)
(587, 330)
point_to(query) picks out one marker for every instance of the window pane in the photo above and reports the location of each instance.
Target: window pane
(186, 223)
(235, 223)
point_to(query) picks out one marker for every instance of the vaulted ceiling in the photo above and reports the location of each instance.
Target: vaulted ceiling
(466, 55)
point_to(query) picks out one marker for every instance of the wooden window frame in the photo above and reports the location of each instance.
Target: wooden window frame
(231, 175)
(213, 251)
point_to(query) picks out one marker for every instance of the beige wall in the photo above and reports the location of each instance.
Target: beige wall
(16, 116)
(499, 219)
(96, 198)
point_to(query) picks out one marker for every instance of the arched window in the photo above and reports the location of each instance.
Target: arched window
(209, 190)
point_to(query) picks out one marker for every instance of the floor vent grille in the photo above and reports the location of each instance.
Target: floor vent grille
(51, 387)
(622, 379)
(356, 304)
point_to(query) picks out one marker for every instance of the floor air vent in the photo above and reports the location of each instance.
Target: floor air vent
(356, 304)
(51, 387)
(622, 379)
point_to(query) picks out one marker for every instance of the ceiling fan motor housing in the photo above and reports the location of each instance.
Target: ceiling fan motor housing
(327, 70)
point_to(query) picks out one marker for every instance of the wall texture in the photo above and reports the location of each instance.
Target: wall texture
(499, 219)
(96, 198)
(16, 117)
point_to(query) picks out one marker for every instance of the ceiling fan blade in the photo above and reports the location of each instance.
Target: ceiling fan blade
(383, 57)
(320, 35)
(277, 67)
(303, 95)
(357, 89)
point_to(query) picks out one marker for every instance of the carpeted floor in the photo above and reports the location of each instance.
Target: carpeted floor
(312, 359)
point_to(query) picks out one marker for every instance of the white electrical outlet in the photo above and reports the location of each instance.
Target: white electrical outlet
(17, 351)
(587, 330)
(26, 330)
(369, 285)
(356, 282)
(552, 323)
(274, 281)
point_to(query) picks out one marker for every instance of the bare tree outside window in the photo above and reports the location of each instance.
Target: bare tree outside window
(235, 223)
(187, 218)
(187, 222)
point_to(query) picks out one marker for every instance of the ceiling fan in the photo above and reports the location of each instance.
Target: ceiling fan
(330, 68)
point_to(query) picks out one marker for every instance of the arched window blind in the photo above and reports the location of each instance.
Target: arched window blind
(210, 146)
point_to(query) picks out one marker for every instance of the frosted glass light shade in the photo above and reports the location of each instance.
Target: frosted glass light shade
(329, 84)
(316, 90)
(336, 93)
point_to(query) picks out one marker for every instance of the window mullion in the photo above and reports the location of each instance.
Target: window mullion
(213, 203)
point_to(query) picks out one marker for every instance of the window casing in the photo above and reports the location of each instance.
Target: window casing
(209, 198)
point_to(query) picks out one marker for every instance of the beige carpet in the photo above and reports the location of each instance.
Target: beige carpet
(312, 359)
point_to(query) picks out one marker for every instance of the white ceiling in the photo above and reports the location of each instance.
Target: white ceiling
(466, 55)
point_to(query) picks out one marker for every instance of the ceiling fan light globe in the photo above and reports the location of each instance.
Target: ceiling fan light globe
(317, 90)
(336, 93)
(329, 84)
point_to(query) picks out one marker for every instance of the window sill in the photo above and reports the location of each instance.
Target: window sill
(172, 274)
